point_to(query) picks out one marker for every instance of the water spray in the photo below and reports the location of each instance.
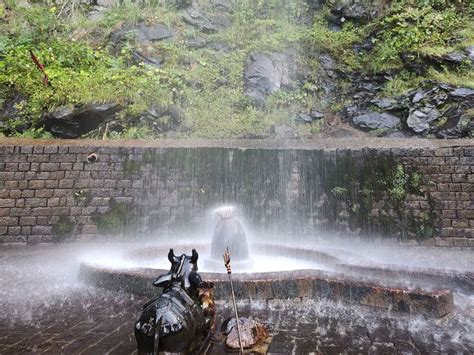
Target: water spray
(229, 272)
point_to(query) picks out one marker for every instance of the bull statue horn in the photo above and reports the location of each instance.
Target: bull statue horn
(194, 256)
(171, 256)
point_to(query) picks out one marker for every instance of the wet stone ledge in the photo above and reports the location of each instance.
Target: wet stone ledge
(302, 284)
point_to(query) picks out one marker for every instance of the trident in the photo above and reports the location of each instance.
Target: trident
(229, 272)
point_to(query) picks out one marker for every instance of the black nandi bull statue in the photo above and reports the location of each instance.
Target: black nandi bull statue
(177, 320)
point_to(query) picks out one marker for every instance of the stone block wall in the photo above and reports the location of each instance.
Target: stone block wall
(449, 172)
(421, 192)
(450, 175)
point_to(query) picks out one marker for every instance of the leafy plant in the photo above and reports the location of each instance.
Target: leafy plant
(34, 133)
(114, 221)
(63, 228)
(339, 191)
(339, 44)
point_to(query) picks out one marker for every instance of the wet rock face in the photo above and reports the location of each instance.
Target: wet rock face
(152, 33)
(196, 17)
(163, 118)
(266, 74)
(376, 120)
(439, 109)
(454, 57)
(470, 53)
(463, 93)
(419, 119)
(223, 5)
(353, 10)
(142, 35)
(72, 122)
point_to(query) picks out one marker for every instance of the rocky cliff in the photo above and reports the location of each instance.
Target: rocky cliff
(249, 69)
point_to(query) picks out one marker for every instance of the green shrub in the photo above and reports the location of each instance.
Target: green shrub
(339, 44)
(63, 228)
(409, 29)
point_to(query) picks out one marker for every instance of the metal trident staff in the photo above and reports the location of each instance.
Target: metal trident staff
(229, 272)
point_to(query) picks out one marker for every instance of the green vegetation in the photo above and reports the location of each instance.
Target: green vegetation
(114, 221)
(85, 67)
(338, 44)
(397, 184)
(86, 62)
(412, 28)
(63, 228)
(407, 32)
(400, 183)
(373, 194)
(78, 71)
(402, 82)
(339, 191)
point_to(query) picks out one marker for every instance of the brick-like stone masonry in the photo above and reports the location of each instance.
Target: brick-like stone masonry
(169, 188)
(450, 171)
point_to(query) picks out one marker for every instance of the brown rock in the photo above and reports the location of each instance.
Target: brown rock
(252, 333)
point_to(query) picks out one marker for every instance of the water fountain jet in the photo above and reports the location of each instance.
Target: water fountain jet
(229, 234)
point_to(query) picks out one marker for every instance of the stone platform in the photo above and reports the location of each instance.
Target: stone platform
(301, 284)
(80, 325)
(46, 309)
(379, 287)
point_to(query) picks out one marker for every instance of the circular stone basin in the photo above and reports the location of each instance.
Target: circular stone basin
(264, 258)
(282, 272)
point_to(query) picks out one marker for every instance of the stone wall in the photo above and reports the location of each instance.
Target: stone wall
(423, 193)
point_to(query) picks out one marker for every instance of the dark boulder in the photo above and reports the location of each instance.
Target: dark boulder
(419, 119)
(219, 47)
(354, 10)
(266, 73)
(454, 57)
(470, 53)
(316, 115)
(222, 5)
(304, 117)
(221, 21)
(419, 95)
(73, 121)
(10, 112)
(163, 118)
(436, 95)
(147, 58)
(141, 33)
(153, 33)
(195, 42)
(462, 127)
(327, 61)
(182, 4)
(315, 5)
(388, 103)
(458, 120)
(376, 120)
(463, 93)
(195, 17)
